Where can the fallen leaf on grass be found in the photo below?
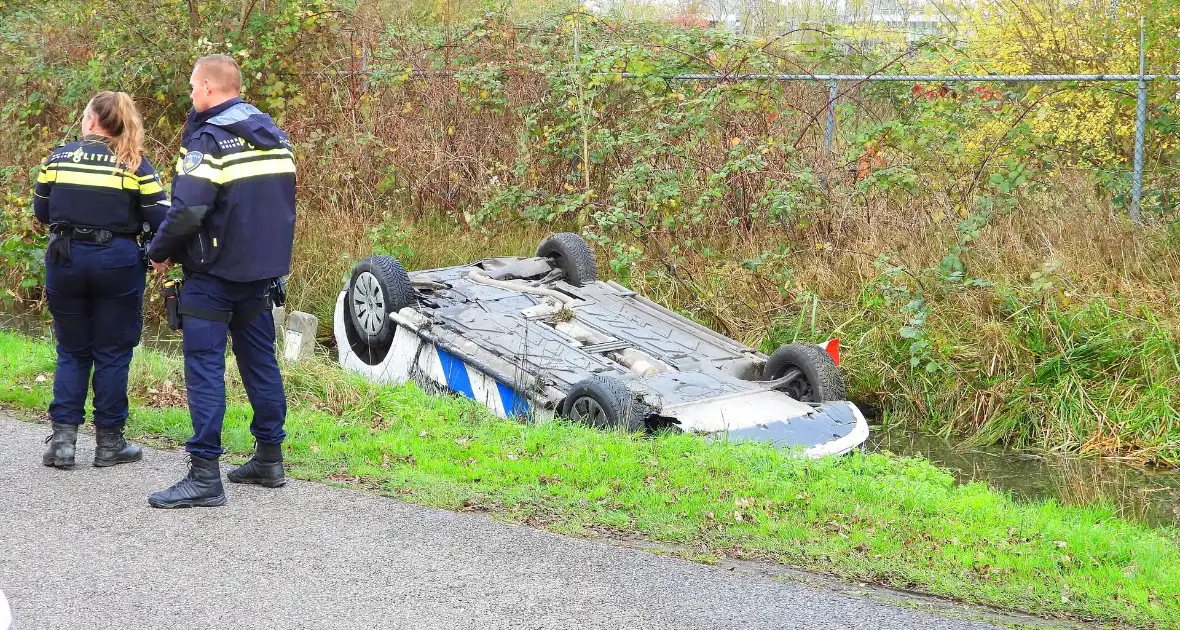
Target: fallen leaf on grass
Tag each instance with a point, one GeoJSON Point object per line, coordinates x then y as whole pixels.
{"type": "Point", "coordinates": [167, 395]}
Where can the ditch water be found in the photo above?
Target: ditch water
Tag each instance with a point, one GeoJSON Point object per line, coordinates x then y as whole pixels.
{"type": "Point", "coordinates": [1144, 494]}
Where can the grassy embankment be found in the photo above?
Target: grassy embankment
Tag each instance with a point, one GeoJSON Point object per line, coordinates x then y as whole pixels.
{"type": "Point", "coordinates": [895, 521]}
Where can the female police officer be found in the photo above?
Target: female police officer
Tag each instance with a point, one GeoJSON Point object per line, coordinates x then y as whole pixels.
{"type": "Point", "coordinates": [96, 195]}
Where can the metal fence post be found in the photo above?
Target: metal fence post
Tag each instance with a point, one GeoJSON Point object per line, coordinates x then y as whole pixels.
{"type": "Point", "coordinates": [1140, 132]}
{"type": "Point", "coordinates": [831, 128]}
{"type": "Point", "coordinates": [365, 64]}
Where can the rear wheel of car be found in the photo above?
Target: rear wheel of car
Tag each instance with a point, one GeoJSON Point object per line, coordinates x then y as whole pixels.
{"type": "Point", "coordinates": [379, 286]}
{"type": "Point", "coordinates": [816, 376]}
{"type": "Point", "coordinates": [605, 403]}
{"type": "Point", "coordinates": [572, 255]}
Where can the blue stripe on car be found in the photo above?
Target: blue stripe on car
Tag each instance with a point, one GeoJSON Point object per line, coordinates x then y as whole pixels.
{"type": "Point", "coordinates": [455, 371]}
{"type": "Point", "coordinates": [514, 404]}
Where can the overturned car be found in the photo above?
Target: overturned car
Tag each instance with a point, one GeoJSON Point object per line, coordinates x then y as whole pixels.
{"type": "Point", "coordinates": [542, 336]}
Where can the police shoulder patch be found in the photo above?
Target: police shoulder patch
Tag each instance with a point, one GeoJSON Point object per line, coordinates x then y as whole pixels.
{"type": "Point", "coordinates": [191, 161]}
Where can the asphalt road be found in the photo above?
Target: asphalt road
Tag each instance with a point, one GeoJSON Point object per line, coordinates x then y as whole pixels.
{"type": "Point", "coordinates": [82, 549]}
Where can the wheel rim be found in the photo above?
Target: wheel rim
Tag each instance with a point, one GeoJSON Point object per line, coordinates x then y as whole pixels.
{"type": "Point", "coordinates": [588, 410]}
{"type": "Point", "coordinates": [800, 388]}
{"type": "Point", "coordinates": [368, 304]}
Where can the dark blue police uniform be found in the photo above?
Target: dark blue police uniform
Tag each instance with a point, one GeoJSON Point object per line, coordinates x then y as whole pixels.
{"type": "Point", "coordinates": [231, 225]}
{"type": "Point", "coordinates": [95, 273]}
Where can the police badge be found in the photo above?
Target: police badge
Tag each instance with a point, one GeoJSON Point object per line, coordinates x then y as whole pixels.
{"type": "Point", "coordinates": [192, 160]}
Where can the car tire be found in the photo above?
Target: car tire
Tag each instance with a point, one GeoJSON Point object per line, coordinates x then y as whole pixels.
{"type": "Point", "coordinates": [604, 403]}
{"type": "Point", "coordinates": [379, 285]}
{"type": "Point", "coordinates": [822, 380]}
{"type": "Point", "coordinates": [572, 255]}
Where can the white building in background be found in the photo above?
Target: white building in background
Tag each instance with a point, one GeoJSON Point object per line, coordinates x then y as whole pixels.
{"type": "Point", "coordinates": [915, 17]}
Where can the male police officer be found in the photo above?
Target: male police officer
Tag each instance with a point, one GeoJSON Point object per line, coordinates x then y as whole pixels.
{"type": "Point", "coordinates": [231, 225]}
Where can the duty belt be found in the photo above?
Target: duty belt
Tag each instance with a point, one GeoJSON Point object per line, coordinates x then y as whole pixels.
{"type": "Point", "coordinates": [62, 234]}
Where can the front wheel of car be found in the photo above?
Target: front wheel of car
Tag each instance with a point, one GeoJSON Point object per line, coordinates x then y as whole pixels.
{"type": "Point", "coordinates": [379, 286]}
{"type": "Point", "coordinates": [815, 376]}
{"type": "Point", "coordinates": [604, 403]}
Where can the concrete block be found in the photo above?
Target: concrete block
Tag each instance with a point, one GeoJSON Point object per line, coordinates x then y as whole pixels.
{"type": "Point", "coordinates": [299, 336]}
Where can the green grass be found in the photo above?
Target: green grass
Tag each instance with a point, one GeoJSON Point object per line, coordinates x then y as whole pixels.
{"type": "Point", "coordinates": [895, 521]}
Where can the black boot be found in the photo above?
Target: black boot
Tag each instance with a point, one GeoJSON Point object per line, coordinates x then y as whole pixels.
{"type": "Point", "coordinates": [264, 469]}
{"type": "Point", "coordinates": [60, 453]}
{"type": "Point", "coordinates": [201, 487]}
{"type": "Point", "coordinates": [110, 448]}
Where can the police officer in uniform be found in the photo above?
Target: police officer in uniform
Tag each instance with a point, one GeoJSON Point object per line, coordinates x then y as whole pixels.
{"type": "Point", "coordinates": [96, 195]}
{"type": "Point", "coordinates": [232, 227]}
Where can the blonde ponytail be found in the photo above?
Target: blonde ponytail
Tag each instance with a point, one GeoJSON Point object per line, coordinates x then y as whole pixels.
{"type": "Point", "coordinates": [115, 112]}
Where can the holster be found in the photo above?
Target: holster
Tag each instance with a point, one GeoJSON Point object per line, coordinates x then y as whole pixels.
{"type": "Point", "coordinates": [145, 241]}
{"type": "Point", "coordinates": [276, 292]}
{"type": "Point", "coordinates": [58, 250]}
{"type": "Point", "coordinates": [172, 303]}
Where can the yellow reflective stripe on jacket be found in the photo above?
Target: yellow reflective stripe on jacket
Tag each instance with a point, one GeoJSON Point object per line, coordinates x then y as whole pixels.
{"type": "Point", "coordinates": [150, 184]}
{"type": "Point", "coordinates": [235, 157]}
{"type": "Point", "coordinates": [234, 172]}
{"type": "Point", "coordinates": [222, 170]}
{"type": "Point", "coordinates": [96, 180]}
{"type": "Point", "coordinates": [49, 173]}
{"type": "Point", "coordinates": [204, 170]}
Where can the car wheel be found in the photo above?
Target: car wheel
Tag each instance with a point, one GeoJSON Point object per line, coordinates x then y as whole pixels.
{"type": "Point", "coordinates": [572, 255]}
{"type": "Point", "coordinates": [817, 378]}
{"type": "Point", "coordinates": [379, 286]}
{"type": "Point", "coordinates": [604, 403]}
